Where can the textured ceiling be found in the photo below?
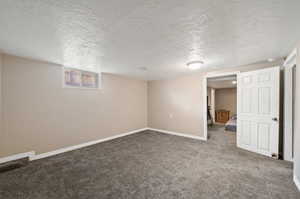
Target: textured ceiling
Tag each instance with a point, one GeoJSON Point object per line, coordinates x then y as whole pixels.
{"type": "Point", "coordinates": [149, 39]}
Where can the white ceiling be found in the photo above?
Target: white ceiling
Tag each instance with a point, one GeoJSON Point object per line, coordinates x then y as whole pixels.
{"type": "Point", "coordinates": [161, 36]}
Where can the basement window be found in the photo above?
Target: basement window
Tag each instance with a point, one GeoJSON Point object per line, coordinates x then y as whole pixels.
{"type": "Point", "coordinates": [76, 78]}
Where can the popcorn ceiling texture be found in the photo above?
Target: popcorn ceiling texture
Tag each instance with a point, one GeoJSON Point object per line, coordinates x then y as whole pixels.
{"type": "Point", "coordinates": [120, 36]}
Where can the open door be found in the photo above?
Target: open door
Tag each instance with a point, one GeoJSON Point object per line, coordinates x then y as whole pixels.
{"type": "Point", "coordinates": [258, 111]}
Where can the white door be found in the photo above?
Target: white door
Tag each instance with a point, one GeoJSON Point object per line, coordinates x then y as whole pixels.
{"type": "Point", "coordinates": [258, 111]}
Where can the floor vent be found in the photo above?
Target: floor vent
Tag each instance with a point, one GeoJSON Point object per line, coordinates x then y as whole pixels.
{"type": "Point", "coordinates": [8, 166]}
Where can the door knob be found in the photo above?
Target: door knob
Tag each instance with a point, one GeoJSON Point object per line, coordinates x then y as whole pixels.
{"type": "Point", "coordinates": [275, 119]}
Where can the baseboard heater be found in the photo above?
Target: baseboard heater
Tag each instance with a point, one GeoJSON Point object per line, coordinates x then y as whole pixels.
{"type": "Point", "coordinates": [15, 164]}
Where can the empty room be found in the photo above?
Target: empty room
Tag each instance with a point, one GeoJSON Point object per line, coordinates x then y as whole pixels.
{"type": "Point", "coordinates": [136, 99]}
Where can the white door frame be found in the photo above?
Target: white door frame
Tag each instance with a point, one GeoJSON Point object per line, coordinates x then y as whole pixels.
{"type": "Point", "coordinates": [289, 65]}
{"type": "Point", "coordinates": [204, 86]}
{"type": "Point", "coordinates": [213, 103]}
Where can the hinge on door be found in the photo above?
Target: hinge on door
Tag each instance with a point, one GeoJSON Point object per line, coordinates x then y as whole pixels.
{"type": "Point", "coordinates": [275, 156]}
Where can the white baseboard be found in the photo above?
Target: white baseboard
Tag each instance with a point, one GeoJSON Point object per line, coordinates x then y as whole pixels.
{"type": "Point", "coordinates": [178, 134]}
{"type": "Point", "coordinates": [297, 182]}
{"type": "Point", "coordinates": [71, 148]}
{"type": "Point", "coordinates": [32, 156]}
{"type": "Point", "coordinates": [17, 157]}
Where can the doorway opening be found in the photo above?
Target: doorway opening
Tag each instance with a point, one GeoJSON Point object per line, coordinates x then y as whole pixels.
{"type": "Point", "coordinates": [221, 105]}
{"type": "Point", "coordinates": [258, 110]}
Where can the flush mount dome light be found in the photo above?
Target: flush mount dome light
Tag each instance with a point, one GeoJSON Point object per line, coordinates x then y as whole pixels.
{"type": "Point", "coordinates": [194, 65]}
{"type": "Point", "coordinates": [234, 82]}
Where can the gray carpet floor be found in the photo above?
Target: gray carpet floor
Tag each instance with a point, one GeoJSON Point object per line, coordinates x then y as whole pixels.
{"type": "Point", "coordinates": [153, 165]}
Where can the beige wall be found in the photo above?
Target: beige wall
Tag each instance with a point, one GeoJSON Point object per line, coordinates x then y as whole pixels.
{"type": "Point", "coordinates": [42, 116]}
{"type": "Point", "coordinates": [1, 131]}
{"type": "Point", "coordinates": [226, 99]}
{"type": "Point", "coordinates": [39, 115]}
{"type": "Point", "coordinates": [177, 104]}
{"type": "Point", "coordinates": [297, 121]}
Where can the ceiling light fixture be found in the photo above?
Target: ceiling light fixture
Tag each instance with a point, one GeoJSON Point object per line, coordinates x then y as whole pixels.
{"type": "Point", "coordinates": [234, 82]}
{"type": "Point", "coordinates": [271, 59]}
{"type": "Point", "coordinates": [194, 65]}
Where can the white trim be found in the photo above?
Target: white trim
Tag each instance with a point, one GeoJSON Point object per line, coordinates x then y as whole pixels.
{"type": "Point", "coordinates": [71, 148]}
{"type": "Point", "coordinates": [204, 87]}
{"type": "Point", "coordinates": [205, 108]}
{"type": "Point", "coordinates": [214, 74]}
{"type": "Point", "coordinates": [178, 134]}
{"type": "Point", "coordinates": [17, 157]}
{"type": "Point", "coordinates": [289, 64]}
{"type": "Point", "coordinates": [297, 182]}
{"type": "Point", "coordinates": [291, 59]}
{"type": "Point", "coordinates": [32, 156]}
{"type": "Point", "coordinates": [213, 104]}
